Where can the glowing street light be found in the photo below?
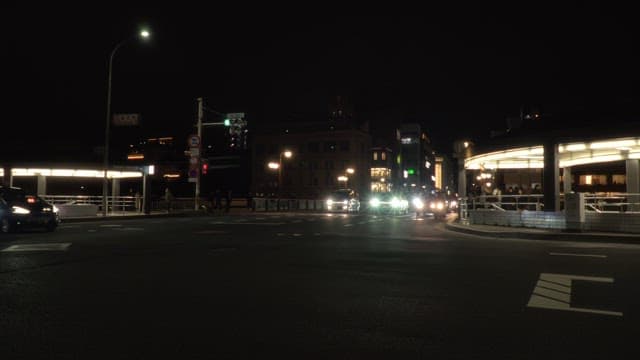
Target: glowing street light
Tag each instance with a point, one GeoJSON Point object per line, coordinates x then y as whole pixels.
{"type": "Point", "coordinates": [105, 181]}
{"type": "Point", "coordinates": [273, 165]}
{"type": "Point", "coordinates": [350, 171]}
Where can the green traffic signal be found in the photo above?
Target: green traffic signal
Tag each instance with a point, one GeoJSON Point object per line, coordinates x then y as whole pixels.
{"type": "Point", "coordinates": [411, 171]}
{"type": "Point", "coordinates": [227, 122]}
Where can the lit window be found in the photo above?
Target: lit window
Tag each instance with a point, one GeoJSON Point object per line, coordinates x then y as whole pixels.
{"type": "Point", "coordinates": [383, 155]}
{"type": "Point", "coordinates": [375, 155]}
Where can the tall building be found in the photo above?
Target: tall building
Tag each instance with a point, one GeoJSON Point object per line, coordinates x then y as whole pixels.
{"type": "Point", "coordinates": [381, 169]}
{"type": "Point", "coordinates": [325, 156]}
{"type": "Point", "coordinates": [417, 159]}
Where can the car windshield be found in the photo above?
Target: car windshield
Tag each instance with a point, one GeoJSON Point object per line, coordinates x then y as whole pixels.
{"type": "Point", "coordinates": [340, 195]}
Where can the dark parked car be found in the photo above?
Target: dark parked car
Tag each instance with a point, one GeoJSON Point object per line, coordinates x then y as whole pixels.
{"type": "Point", "coordinates": [19, 210]}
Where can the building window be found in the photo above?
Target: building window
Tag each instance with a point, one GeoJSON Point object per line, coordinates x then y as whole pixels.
{"type": "Point", "coordinates": [383, 156]}
{"type": "Point", "coordinates": [375, 155]}
{"type": "Point", "coordinates": [593, 179]}
{"type": "Point", "coordinates": [619, 179]}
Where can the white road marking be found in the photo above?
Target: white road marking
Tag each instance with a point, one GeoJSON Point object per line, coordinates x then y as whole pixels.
{"type": "Point", "coordinates": [296, 234]}
{"type": "Point", "coordinates": [205, 232]}
{"type": "Point", "coordinates": [553, 291]}
{"type": "Point", "coordinates": [91, 231]}
{"type": "Point", "coordinates": [38, 247]}
{"type": "Point", "coordinates": [280, 234]}
{"type": "Point", "coordinates": [68, 226]}
{"type": "Point", "coordinates": [347, 225]}
{"type": "Point", "coordinates": [245, 223]}
{"type": "Point", "coordinates": [111, 225]}
{"type": "Point", "coordinates": [129, 229]}
{"type": "Point", "coordinates": [579, 255]}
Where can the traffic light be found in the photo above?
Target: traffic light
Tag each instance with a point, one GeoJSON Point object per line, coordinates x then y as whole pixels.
{"type": "Point", "coordinates": [411, 171]}
{"type": "Point", "coordinates": [227, 122]}
{"type": "Point", "coordinates": [205, 167]}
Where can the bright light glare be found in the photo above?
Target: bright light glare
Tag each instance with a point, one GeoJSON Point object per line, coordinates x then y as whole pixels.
{"type": "Point", "coordinates": [20, 210]}
{"type": "Point", "coordinates": [396, 203]}
{"type": "Point", "coordinates": [288, 154]}
{"type": "Point", "coordinates": [350, 171]}
{"type": "Point", "coordinates": [145, 33]}
{"type": "Point", "coordinates": [375, 202]}
{"type": "Point", "coordinates": [274, 165]}
{"type": "Point", "coordinates": [417, 203]}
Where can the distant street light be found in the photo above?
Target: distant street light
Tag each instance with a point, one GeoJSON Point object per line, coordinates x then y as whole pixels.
{"type": "Point", "coordinates": [350, 171]}
{"type": "Point", "coordinates": [105, 181]}
{"type": "Point", "coordinates": [278, 166]}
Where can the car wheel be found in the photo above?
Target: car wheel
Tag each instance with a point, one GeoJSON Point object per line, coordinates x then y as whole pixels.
{"type": "Point", "coordinates": [5, 226]}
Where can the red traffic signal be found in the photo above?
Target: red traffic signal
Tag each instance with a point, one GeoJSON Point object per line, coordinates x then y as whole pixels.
{"type": "Point", "coordinates": [205, 167]}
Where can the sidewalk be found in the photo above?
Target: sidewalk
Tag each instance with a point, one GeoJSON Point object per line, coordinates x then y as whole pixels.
{"type": "Point", "coordinates": [541, 234]}
{"type": "Point", "coordinates": [131, 215]}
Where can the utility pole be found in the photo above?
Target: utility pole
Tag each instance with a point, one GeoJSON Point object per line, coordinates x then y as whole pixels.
{"type": "Point", "coordinates": [200, 115]}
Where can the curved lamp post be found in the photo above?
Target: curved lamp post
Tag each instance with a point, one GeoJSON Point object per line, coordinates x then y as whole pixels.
{"type": "Point", "coordinates": [105, 181]}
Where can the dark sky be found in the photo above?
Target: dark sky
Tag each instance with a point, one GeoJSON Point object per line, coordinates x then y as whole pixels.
{"type": "Point", "coordinates": [459, 71]}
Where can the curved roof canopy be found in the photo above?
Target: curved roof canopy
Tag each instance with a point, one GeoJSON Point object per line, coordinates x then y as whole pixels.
{"type": "Point", "coordinates": [570, 154]}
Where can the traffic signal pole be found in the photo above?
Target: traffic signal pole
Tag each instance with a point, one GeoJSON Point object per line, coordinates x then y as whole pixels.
{"type": "Point", "coordinates": [200, 115]}
{"type": "Point", "coordinates": [199, 125]}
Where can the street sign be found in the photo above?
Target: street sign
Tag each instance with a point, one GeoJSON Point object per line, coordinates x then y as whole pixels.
{"type": "Point", "coordinates": [126, 119]}
{"type": "Point", "coordinates": [194, 141]}
{"type": "Point", "coordinates": [235, 116]}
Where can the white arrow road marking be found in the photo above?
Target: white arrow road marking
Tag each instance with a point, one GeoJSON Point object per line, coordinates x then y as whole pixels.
{"type": "Point", "coordinates": [579, 255]}
{"type": "Point", "coordinates": [38, 247]}
{"type": "Point", "coordinates": [553, 291]}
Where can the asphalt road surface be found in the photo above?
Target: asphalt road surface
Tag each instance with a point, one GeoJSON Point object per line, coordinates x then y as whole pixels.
{"type": "Point", "coordinates": [311, 286]}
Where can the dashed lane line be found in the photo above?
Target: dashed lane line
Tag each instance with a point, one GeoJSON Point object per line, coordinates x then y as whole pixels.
{"type": "Point", "coordinates": [37, 247]}
{"type": "Point", "coordinates": [578, 255]}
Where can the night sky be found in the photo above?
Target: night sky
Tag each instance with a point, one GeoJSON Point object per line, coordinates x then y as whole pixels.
{"type": "Point", "coordinates": [459, 71]}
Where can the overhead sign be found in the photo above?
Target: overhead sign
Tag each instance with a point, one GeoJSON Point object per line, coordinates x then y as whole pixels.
{"type": "Point", "coordinates": [194, 141]}
{"type": "Point", "coordinates": [235, 116]}
{"type": "Point", "coordinates": [126, 119]}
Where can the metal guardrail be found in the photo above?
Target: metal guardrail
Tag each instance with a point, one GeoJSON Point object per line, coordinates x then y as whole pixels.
{"type": "Point", "coordinates": [601, 203]}
{"type": "Point", "coordinates": [114, 203]}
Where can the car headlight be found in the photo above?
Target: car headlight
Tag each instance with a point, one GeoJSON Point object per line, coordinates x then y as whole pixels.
{"type": "Point", "coordinates": [345, 202]}
{"type": "Point", "coordinates": [55, 209]}
{"type": "Point", "coordinates": [329, 202]}
{"type": "Point", "coordinates": [432, 205]}
{"type": "Point", "coordinates": [375, 202]}
{"type": "Point", "coordinates": [20, 210]}
{"type": "Point", "coordinates": [440, 205]}
{"type": "Point", "coordinates": [417, 203]}
{"type": "Point", "coordinates": [453, 203]}
{"type": "Point", "coordinates": [395, 203]}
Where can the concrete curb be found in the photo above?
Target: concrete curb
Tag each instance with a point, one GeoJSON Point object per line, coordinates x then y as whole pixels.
{"type": "Point", "coordinates": [555, 236]}
{"type": "Point", "coordinates": [129, 217]}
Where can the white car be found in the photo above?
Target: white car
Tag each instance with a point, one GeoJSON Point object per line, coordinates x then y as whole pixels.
{"type": "Point", "coordinates": [343, 201]}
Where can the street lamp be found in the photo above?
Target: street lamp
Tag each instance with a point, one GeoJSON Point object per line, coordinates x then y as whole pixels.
{"type": "Point", "coordinates": [287, 154]}
{"type": "Point", "coordinates": [105, 181]}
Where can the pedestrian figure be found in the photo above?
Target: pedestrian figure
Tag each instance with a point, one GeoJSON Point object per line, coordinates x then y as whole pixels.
{"type": "Point", "coordinates": [167, 198]}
